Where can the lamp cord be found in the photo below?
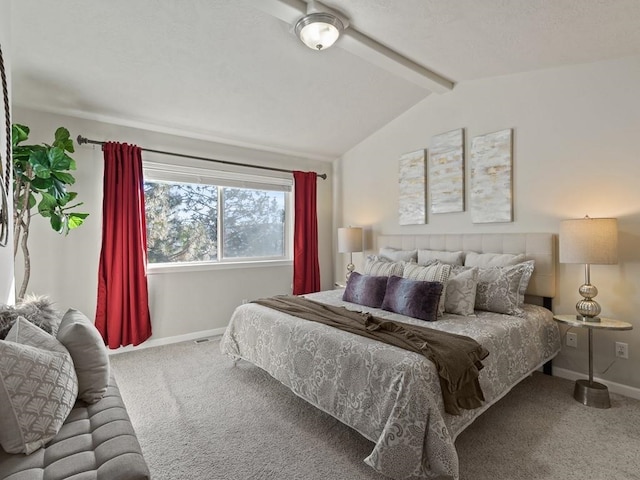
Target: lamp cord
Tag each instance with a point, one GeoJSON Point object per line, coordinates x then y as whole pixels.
{"type": "Point", "coordinates": [564, 336]}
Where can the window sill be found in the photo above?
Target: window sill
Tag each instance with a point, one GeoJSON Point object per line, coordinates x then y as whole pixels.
{"type": "Point", "coordinates": [201, 267]}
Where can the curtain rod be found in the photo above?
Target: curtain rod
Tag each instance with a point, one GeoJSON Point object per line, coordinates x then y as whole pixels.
{"type": "Point", "coordinates": [82, 140]}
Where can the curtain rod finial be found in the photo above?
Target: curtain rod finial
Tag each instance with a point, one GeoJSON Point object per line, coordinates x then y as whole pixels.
{"type": "Point", "coordinates": [81, 140]}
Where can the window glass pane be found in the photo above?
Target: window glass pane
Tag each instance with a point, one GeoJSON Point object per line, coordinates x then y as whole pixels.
{"type": "Point", "coordinates": [253, 223]}
{"type": "Point", "coordinates": [181, 222]}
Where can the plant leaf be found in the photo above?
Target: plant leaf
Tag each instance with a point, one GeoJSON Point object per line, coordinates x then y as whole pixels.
{"type": "Point", "coordinates": [63, 140]}
{"type": "Point", "coordinates": [58, 189]}
{"type": "Point", "coordinates": [76, 219]}
{"type": "Point", "coordinates": [47, 205]}
{"type": "Point", "coordinates": [64, 177]}
{"type": "Point", "coordinates": [39, 161]}
{"type": "Point", "coordinates": [56, 223]}
{"type": "Point", "coordinates": [69, 196]}
{"type": "Point", "coordinates": [41, 183]}
{"type": "Point", "coordinates": [19, 133]}
{"type": "Point", "coordinates": [20, 200]}
{"type": "Point", "coordinates": [58, 160]}
{"type": "Point", "coordinates": [20, 153]}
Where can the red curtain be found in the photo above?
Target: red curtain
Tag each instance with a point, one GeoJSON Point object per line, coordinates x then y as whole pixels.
{"type": "Point", "coordinates": [122, 313]}
{"type": "Point", "coordinates": [306, 269]}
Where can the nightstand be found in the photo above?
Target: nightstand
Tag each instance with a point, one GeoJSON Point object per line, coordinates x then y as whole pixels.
{"type": "Point", "coordinates": [588, 392]}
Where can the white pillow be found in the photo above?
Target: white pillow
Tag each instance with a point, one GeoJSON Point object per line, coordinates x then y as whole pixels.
{"type": "Point", "coordinates": [485, 260]}
{"type": "Point", "coordinates": [452, 258]}
{"type": "Point", "coordinates": [438, 272]}
{"type": "Point", "coordinates": [38, 388]}
{"type": "Point", "coordinates": [396, 255]}
{"type": "Point", "coordinates": [461, 291]}
{"type": "Point", "coordinates": [501, 289]}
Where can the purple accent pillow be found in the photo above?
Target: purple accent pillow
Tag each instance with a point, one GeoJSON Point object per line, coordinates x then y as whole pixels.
{"type": "Point", "coordinates": [365, 290]}
{"type": "Point", "coordinates": [413, 298]}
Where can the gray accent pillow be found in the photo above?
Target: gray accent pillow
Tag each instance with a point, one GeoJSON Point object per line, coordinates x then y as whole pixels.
{"type": "Point", "coordinates": [452, 258]}
{"type": "Point", "coordinates": [501, 289]}
{"type": "Point", "coordinates": [382, 268]}
{"type": "Point", "coordinates": [413, 298]}
{"type": "Point", "coordinates": [365, 290]}
{"type": "Point", "coordinates": [38, 388]}
{"type": "Point", "coordinates": [485, 260]}
{"type": "Point", "coordinates": [90, 357]}
{"type": "Point", "coordinates": [396, 255]}
{"type": "Point", "coordinates": [438, 272]}
{"type": "Point", "coordinates": [460, 294]}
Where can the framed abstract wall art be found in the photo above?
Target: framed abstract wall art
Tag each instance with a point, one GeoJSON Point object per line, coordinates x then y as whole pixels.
{"type": "Point", "coordinates": [491, 177]}
{"type": "Point", "coordinates": [446, 172]}
{"type": "Point", "coordinates": [412, 196]}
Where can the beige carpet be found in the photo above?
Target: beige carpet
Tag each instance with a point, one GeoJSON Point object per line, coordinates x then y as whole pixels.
{"type": "Point", "coordinates": [199, 417]}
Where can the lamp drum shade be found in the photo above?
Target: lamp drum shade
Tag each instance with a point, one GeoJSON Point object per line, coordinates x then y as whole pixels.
{"type": "Point", "coordinates": [349, 239]}
{"type": "Point", "coordinates": [589, 241]}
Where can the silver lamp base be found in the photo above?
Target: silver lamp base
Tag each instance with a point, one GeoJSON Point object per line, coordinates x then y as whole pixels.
{"type": "Point", "coordinates": [591, 394]}
{"type": "Point", "coordinates": [350, 268]}
{"type": "Point", "coordinates": [588, 309]}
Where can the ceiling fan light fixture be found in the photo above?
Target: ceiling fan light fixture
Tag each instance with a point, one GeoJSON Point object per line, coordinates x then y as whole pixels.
{"type": "Point", "coordinates": [319, 30]}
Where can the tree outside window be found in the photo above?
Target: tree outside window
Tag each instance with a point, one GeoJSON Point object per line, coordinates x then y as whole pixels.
{"type": "Point", "coordinates": [183, 222]}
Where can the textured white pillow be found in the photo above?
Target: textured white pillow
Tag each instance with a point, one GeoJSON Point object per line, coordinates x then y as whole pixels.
{"type": "Point", "coordinates": [438, 272]}
{"type": "Point", "coordinates": [396, 255]}
{"type": "Point", "coordinates": [38, 388]}
{"type": "Point", "coordinates": [485, 260]}
{"type": "Point", "coordinates": [382, 268]}
{"type": "Point", "coordinates": [461, 291]}
{"type": "Point", "coordinates": [86, 346]}
{"type": "Point", "coordinates": [501, 289]}
{"type": "Point", "coordinates": [453, 258]}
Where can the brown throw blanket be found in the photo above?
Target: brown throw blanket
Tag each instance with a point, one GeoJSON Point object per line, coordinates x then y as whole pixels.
{"type": "Point", "coordinates": [457, 357]}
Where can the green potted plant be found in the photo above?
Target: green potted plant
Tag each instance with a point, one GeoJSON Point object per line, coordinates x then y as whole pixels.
{"type": "Point", "coordinates": [40, 180]}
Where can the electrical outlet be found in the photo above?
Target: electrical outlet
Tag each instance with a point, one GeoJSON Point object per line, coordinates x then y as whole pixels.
{"type": "Point", "coordinates": [622, 350]}
{"type": "Point", "coordinates": [572, 340]}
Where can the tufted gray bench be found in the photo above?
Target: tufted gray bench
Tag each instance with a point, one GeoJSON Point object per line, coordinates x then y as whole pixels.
{"type": "Point", "coordinates": [96, 442]}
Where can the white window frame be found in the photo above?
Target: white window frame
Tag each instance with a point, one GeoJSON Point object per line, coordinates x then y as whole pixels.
{"type": "Point", "coordinates": [159, 172]}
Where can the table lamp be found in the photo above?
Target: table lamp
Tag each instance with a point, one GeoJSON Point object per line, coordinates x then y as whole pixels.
{"type": "Point", "coordinates": [589, 241]}
{"type": "Point", "coordinates": [349, 241]}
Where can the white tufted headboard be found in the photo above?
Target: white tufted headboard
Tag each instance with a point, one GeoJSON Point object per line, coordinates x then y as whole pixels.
{"type": "Point", "coordinates": [540, 247]}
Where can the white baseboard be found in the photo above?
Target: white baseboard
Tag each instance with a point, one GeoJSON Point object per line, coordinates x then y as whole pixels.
{"type": "Point", "coordinates": [169, 340]}
{"type": "Point", "coordinates": [614, 387]}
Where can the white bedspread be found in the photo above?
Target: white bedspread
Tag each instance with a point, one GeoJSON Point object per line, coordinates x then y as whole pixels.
{"type": "Point", "coordinates": [389, 395]}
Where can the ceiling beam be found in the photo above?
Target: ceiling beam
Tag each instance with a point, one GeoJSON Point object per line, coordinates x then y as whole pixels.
{"type": "Point", "coordinates": [363, 46]}
{"type": "Point", "coordinates": [373, 52]}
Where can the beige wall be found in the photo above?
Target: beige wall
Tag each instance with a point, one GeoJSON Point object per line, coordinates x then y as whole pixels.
{"type": "Point", "coordinates": [576, 152]}
{"type": "Point", "coordinates": [181, 303]}
{"type": "Point", "coordinates": [6, 253]}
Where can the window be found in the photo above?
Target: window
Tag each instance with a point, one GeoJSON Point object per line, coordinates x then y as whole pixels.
{"type": "Point", "coordinates": [202, 216]}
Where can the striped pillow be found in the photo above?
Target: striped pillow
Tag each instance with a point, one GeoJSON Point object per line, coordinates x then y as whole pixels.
{"type": "Point", "coordinates": [377, 267]}
{"type": "Point", "coordinates": [431, 273]}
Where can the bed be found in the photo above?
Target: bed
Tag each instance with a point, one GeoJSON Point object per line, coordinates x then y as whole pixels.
{"type": "Point", "coordinates": [392, 396]}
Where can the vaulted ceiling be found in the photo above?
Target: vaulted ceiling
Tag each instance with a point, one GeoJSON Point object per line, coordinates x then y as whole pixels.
{"type": "Point", "coordinates": [233, 70]}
